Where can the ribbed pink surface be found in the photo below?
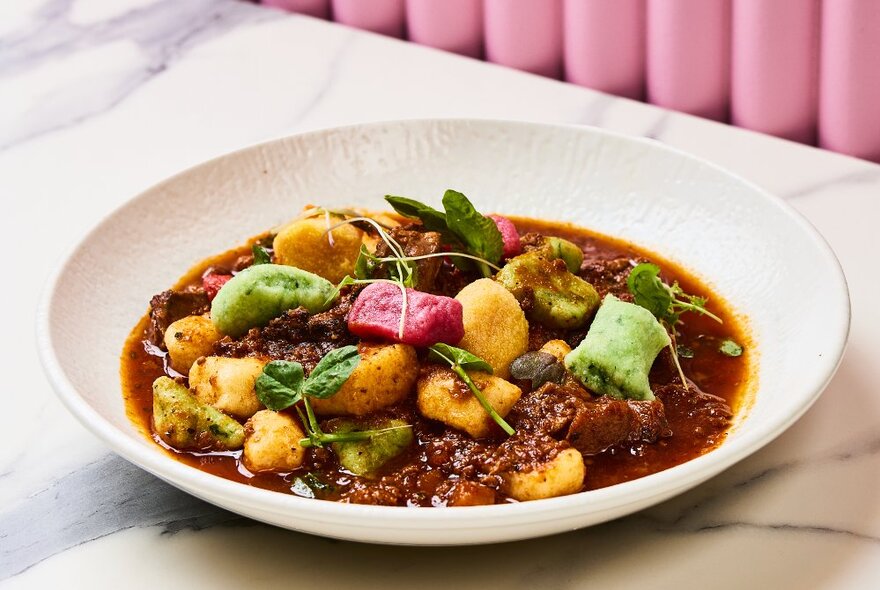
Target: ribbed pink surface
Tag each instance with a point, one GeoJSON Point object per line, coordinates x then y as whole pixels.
{"type": "Point", "coordinates": [318, 8]}
{"type": "Point", "coordinates": [689, 56]}
{"type": "Point", "coordinates": [605, 45]}
{"type": "Point", "coordinates": [453, 25]}
{"type": "Point", "coordinates": [380, 16]}
{"type": "Point", "coordinates": [775, 72]}
{"type": "Point", "coordinates": [799, 69]}
{"type": "Point", "coordinates": [525, 34]}
{"type": "Point", "coordinates": [849, 104]}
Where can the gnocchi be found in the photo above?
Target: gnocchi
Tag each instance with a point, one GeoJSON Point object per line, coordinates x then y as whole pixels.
{"type": "Point", "coordinates": [495, 327]}
{"type": "Point", "coordinates": [444, 397]}
{"type": "Point", "coordinates": [562, 475]}
{"type": "Point", "coordinates": [227, 384]}
{"type": "Point", "coordinates": [188, 339]}
{"type": "Point", "coordinates": [307, 244]}
{"type": "Point", "coordinates": [272, 442]}
{"type": "Point", "coordinates": [384, 376]}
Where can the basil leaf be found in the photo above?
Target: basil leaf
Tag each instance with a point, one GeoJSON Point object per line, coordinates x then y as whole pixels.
{"type": "Point", "coordinates": [730, 348]}
{"type": "Point", "coordinates": [280, 384]}
{"type": "Point", "coordinates": [458, 356]}
{"type": "Point", "coordinates": [432, 219]}
{"type": "Point", "coordinates": [333, 370]}
{"type": "Point", "coordinates": [478, 233]}
{"type": "Point", "coordinates": [261, 255]}
{"type": "Point", "coordinates": [649, 291]}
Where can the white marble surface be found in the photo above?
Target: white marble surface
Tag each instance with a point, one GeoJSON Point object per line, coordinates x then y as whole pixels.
{"type": "Point", "coordinates": [101, 98]}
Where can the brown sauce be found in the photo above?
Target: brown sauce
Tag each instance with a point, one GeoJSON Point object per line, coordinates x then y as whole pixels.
{"type": "Point", "coordinates": [443, 456]}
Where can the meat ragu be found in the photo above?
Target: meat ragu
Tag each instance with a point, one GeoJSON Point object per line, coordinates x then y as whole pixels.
{"type": "Point", "coordinates": [482, 361]}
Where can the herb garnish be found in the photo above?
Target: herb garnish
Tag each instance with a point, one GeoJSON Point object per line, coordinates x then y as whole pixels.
{"type": "Point", "coordinates": [461, 224]}
{"type": "Point", "coordinates": [462, 361]}
{"type": "Point", "coordinates": [461, 215]}
{"type": "Point", "coordinates": [685, 352]}
{"type": "Point", "coordinates": [283, 384]}
{"type": "Point", "coordinates": [280, 384]}
{"type": "Point", "coordinates": [318, 438]}
{"type": "Point", "coordinates": [730, 347]}
{"type": "Point", "coordinates": [666, 302]}
{"type": "Point", "coordinates": [261, 255]}
{"type": "Point", "coordinates": [432, 219]}
{"type": "Point", "coordinates": [400, 270]}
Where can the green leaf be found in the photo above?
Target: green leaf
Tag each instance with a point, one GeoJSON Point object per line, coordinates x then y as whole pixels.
{"type": "Point", "coordinates": [345, 282]}
{"type": "Point", "coordinates": [462, 361]}
{"type": "Point", "coordinates": [432, 219]}
{"type": "Point", "coordinates": [458, 356]}
{"type": "Point", "coordinates": [365, 264]}
{"type": "Point", "coordinates": [478, 233]}
{"type": "Point", "coordinates": [649, 291]}
{"type": "Point", "coordinates": [402, 272]}
{"type": "Point", "coordinates": [333, 370]}
{"type": "Point", "coordinates": [684, 351]}
{"type": "Point", "coordinates": [280, 384]}
{"type": "Point", "coordinates": [261, 255]}
{"type": "Point", "coordinates": [730, 348]}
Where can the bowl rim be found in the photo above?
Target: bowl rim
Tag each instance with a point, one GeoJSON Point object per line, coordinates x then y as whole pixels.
{"type": "Point", "coordinates": [655, 485]}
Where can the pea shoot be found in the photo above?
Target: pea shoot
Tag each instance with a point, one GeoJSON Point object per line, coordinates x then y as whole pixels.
{"type": "Point", "coordinates": [261, 254]}
{"type": "Point", "coordinates": [461, 361]}
{"type": "Point", "coordinates": [666, 302]}
{"type": "Point", "coordinates": [460, 226]}
{"type": "Point", "coordinates": [283, 384]}
{"type": "Point", "coordinates": [401, 271]}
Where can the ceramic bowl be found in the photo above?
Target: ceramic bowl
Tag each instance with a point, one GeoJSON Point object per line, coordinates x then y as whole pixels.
{"type": "Point", "coordinates": [762, 257]}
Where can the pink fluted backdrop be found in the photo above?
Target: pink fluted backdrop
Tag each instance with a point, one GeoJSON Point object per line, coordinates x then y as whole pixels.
{"type": "Point", "coordinates": [806, 70]}
{"type": "Point", "coordinates": [597, 29]}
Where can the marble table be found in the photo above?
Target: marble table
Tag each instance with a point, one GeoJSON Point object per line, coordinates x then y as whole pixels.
{"type": "Point", "coordinates": [101, 98]}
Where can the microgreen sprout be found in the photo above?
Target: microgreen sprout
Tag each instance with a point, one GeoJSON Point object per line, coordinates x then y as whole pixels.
{"type": "Point", "coordinates": [441, 255]}
{"type": "Point", "coordinates": [318, 438]}
{"type": "Point", "coordinates": [666, 302]}
{"type": "Point", "coordinates": [283, 384]}
{"type": "Point", "coordinates": [329, 229]}
{"type": "Point", "coordinates": [461, 361]}
{"type": "Point", "coordinates": [460, 225]}
{"type": "Point", "coordinates": [261, 254]}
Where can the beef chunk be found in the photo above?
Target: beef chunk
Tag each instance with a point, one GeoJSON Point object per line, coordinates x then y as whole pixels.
{"type": "Point", "coordinates": [539, 335]}
{"type": "Point", "coordinates": [374, 493]}
{"type": "Point", "coordinates": [689, 408]}
{"type": "Point", "coordinates": [417, 243]}
{"type": "Point", "coordinates": [531, 241]}
{"type": "Point", "coordinates": [169, 306]}
{"type": "Point", "coordinates": [608, 276]}
{"type": "Point", "coordinates": [590, 425]}
{"type": "Point", "coordinates": [524, 451]}
{"type": "Point", "coordinates": [297, 335]}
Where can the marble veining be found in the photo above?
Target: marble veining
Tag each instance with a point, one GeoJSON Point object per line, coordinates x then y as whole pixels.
{"type": "Point", "coordinates": [80, 96]}
{"type": "Point", "coordinates": [99, 499]}
{"type": "Point", "coordinates": [162, 32]}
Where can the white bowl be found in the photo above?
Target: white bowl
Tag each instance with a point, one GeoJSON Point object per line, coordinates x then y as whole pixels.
{"type": "Point", "coordinates": [759, 254]}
